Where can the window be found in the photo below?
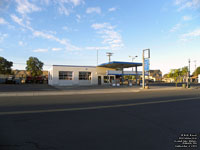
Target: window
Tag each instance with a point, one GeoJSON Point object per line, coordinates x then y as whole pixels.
{"type": "Point", "coordinates": [112, 78]}
{"type": "Point", "coordinates": [84, 75]}
{"type": "Point", "coordinates": [65, 75]}
{"type": "Point", "coordinates": [105, 78]}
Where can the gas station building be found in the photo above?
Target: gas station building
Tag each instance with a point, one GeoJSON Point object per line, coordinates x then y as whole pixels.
{"type": "Point", "coordinates": [107, 73]}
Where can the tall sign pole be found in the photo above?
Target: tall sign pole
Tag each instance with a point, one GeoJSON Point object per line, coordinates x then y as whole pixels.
{"type": "Point", "coordinates": [143, 72]}
{"type": "Point", "coordinates": [145, 65]}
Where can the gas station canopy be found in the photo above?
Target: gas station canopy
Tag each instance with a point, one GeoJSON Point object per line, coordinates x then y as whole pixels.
{"type": "Point", "coordinates": [120, 64]}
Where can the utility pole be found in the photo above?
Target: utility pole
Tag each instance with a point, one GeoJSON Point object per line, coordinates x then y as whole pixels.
{"type": "Point", "coordinates": [109, 54]}
{"type": "Point", "coordinates": [188, 73]}
{"type": "Point", "coordinates": [97, 57]}
{"type": "Point", "coordinates": [195, 64]}
{"type": "Point", "coordinates": [195, 67]}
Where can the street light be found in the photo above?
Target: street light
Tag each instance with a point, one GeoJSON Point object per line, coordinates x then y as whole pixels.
{"type": "Point", "coordinates": [133, 57]}
{"type": "Point", "coordinates": [109, 54]}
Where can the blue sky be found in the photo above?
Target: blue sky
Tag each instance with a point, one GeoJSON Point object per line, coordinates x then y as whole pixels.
{"type": "Point", "coordinates": [71, 31]}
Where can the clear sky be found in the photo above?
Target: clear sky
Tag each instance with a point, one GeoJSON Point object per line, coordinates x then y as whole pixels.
{"type": "Point", "coordinates": [71, 31]}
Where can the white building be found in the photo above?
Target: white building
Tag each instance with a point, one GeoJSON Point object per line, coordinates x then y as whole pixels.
{"type": "Point", "coordinates": [78, 75]}
{"type": "Point", "coordinates": [66, 75]}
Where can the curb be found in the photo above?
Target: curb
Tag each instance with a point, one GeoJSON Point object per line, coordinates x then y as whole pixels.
{"type": "Point", "coordinates": [165, 88]}
{"type": "Point", "coordinates": [14, 94]}
{"type": "Point", "coordinates": [85, 92]}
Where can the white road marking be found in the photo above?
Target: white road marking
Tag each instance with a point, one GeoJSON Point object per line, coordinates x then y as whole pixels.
{"type": "Point", "coordinates": [95, 107]}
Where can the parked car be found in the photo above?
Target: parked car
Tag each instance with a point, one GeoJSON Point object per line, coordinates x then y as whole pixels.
{"type": "Point", "coordinates": [29, 79]}
{"type": "Point", "coordinates": [10, 80]}
{"type": "Point", "coordinates": [17, 80]}
{"type": "Point", "coordinates": [150, 80]}
{"type": "Point", "coordinates": [39, 79]}
{"type": "Point", "coordinates": [2, 80]}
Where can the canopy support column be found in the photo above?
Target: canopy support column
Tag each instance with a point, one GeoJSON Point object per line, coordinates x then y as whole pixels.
{"type": "Point", "coordinates": [122, 76]}
{"type": "Point", "coordinates": [136, 77]}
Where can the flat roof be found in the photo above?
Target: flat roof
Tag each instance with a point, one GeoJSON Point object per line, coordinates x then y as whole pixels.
{"type": "Point", "coordinates": [120, 64]}
{"type": "Point", "coordinates": [74, 66]}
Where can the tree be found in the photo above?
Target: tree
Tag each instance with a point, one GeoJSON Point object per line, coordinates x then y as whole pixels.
{"type": "Point", "coordinates": [184, 71]}
{"type": "Point", "coordinates": [197, 71]}
{"type": "Point", "coordinates": [173, 73]}
{"type": "Point", "coordinates": [34, 66]}
{"type": "Point", "coordinates": [5, 66]}
{"type": "Point", "coordinates": [178, 74]}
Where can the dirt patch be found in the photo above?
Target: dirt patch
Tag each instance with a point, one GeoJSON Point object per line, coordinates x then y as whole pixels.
{"type": "Point", "coordinates": [26, 87]}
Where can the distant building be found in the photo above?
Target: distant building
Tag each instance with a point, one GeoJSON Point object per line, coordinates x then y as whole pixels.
{"type": "Point", "coordinates": [23, 76]}
{"type": "Point", "coordinates": [199, 78]}
{"type": "Point", "coordinates": [20, 73]}
{"type": "Point", "coordinates": [155, 75]}
{"type": "Point", "coordinates": [24, 73]}
{"type": "Point", "coordinates": [168, 80]}
{"type": "Point", "coordinates": [194, 79]}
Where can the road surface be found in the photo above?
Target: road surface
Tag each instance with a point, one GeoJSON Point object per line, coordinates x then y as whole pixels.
{"type": "Point", "coordinates": [145, 120]}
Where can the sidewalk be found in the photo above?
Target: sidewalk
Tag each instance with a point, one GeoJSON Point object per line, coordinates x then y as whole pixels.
{"type": "Point", "coordinates": [86, 90]}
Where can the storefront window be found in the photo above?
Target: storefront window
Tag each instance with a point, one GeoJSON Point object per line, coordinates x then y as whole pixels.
{"type": "Point", "coordinates": [84, 75]}
{"type": "Point", "coordinates": [65, 75]}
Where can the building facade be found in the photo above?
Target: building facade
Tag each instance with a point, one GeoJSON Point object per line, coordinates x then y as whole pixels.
{"type": "Point", "coordinates": [199, 78]}
{"type": "Point", "coordinates": [64, 75]}
{"type": "Point", "coordinates": [155, 75]}
{"type": "Point", "coordinates": [112, 72]}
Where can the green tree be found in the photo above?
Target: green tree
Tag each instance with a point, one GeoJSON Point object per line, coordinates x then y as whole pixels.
{"type": "Point", "coordinates": [184, 71]}
{"type": "Point", "coordinates": [5, 66]}
{"type": "Point", "coordinates": [179, 75]}
{"type": "Point", "coordinates": [173, 74]}
{"type": "Point", "coordinates": [34, 66]}
{"type": "Point", "coordinates": [197, 71]}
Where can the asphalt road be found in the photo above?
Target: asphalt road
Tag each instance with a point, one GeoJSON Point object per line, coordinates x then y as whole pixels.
{"type": "Point", "coordinates": [146, 120]}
